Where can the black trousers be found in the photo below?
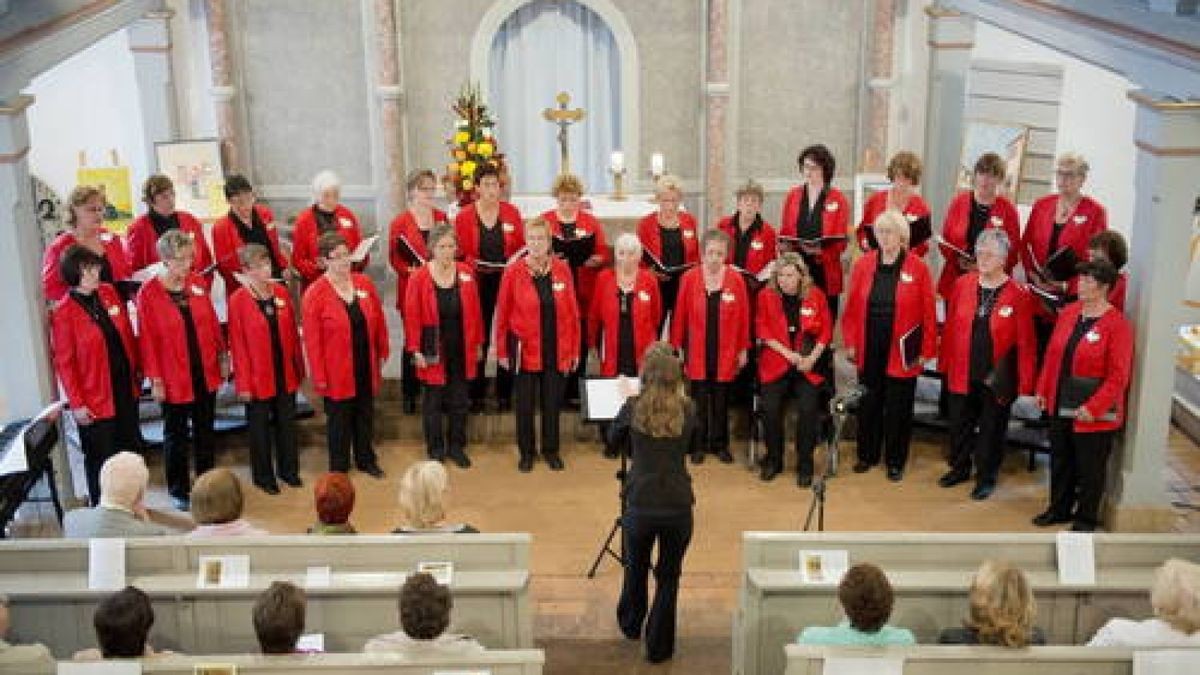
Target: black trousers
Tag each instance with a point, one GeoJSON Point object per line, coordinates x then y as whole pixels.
{"type": "Point", "coordinates": [673, 532]}
{"type": "Point", "coordinates": [489, 291]}
{"type": "Point", "coordinates": [806, 396]}
{"type": "Point", "coordinates": [978, 428]}
{"type": "Point", "coordinates": [351, 423]}
{"type": "Point", "coordinates": [546, 388]}
{"type": "Point", "coordinates": [440, 403]}
{"type": "Point", "coordinates": [176, 419]}
{"type": "Point", "coordinates": [712, 415]}
{"type": "Point", "coordinates": [272, 423]}
{"type": "Point", "coordinates": [410, 386]}
{"type": "Point", "coordinates": [885, 421]}
{"type": "Point", "coordinates": [100, 440]}
{"type": "Point", "coordinates": [1078, 466]}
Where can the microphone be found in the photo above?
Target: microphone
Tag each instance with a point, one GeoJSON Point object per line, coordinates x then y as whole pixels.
{"type": "Point", "coordinates": [848, 402]}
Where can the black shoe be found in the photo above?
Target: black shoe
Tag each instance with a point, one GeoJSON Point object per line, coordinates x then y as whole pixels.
{"type": "Point", "coordinates": [953, 477]}
{"type": "Point", "coordinates": [725, 457]}
{"type": "Point", "coordinates": [804, 480]}
{"type": "Point", "coordinates": [769, 472]}
{"type": "Point", "coordinates": [504, 405]}
{"type": "Point", "coordinates": [437, 456]}
{"type": "Point", "coordinates": [181, 503]}
{"type": "Point", "coordinates": [476, 406]}
{"type": "Point", "coordinates": [292, 481]}
{"type": "Point", "coordinates": [982, 491]}
{"type": "Point", "coordinates": [410, 406]}
{"type": "Point", "coordinates": [1079, 526]}
{"type": "Point", "coordinates": [525, 464]}
{"type": "Point", "coordinates": [372, 470]}
{"type": "Point", "coordinates": [572, 404]}
{"type": "Point", "coordinates": [697, 458]}
{"type": "Point", "coordinates": [611, 452]}
{"type": "Point", "coordinates": [1048, 518]}
{"type": "Point", "coordinates": [895, 474]}
{"type": "Point", "coordinates": [460, 458]}
{"type": "Point", "coordinates": [555, 462]}
{"type": "Point", "coordinates": [269, 488]}
{"type": "Point", "coordinates": [861, 467]}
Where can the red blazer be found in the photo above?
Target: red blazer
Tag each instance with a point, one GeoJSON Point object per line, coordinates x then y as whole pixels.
{"type": "Point", "coordinates": [328, 342]}
{"type": "Point", "coordinates": [835, 221]}
{"type": "Point", "coordinates": [763, 246]}
{"type": "Point", "coordinates": [584, 222]}
{"type": "Point", "coordinates": [1085, 222]}
{"type": "Point", "coordinates": [421, 311]}
{"type": "Point", "coordinates": [771, 324]}
{"type": "Point", "coordinates": [914, 307]}
{"type": "Point", "coordinates": [141, 244]}
{"type": "Point", "coordinates": [227, 242]}
{"type": "Point", "coordinates": [518, 315]}
{"type": "Point", "coordinates": [305, 234]}
{"type": "Point", "coordinates": [1011, 324]}
{"type": "Point", "coordinates": [405, 225]}
{"type": "Point", "coordinates": [954, 230]}
{"type": "Point", "coordinates": [648, 233]}
{"type": "Point", "coordinates": [690, 320]}
{"type": "Point", "coordinates": [162, 338]}
{"type": "Point", "coordinates": [466, 226]}
{"type": "Point", "coordinates": [53, 285]}
{"type": "Point", "coordinates": [81, 355]}
{"type": "Point", "coordinates": [915, 208]}
{"type": "Point", "coordinates": [604, 318]}
{"type": "Point", "coordinates": [1105, 352]}
{"type": "Point", "coordinates": [250, 344]}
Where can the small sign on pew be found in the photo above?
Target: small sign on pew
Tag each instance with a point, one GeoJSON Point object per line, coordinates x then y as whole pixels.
{"type": "Point", "coordinates": [823, 568]}
{"type": "Point", "coordinates": [1076, 552]}
{"type": "Point", "coordinates": [443, 572]}
{"type": "Point", "coordinates": [99, 668]}
{"type": "Point", "coordinates": [318, 576]}
{"type": "Point", "coordinates": [106, 564]}
{"type": "Point", "coordinates": [311, 643]}
{"type": "Point", "coordinates": [1164, 662]}
{"type": "Point", "coordinates": [223, 571]}
{"type": "Point", "coordinates": [462, 672]}
{"type": "Point", "coordinates": [214, 669]}
{"type": "Point", "coordinates": [845, 665]}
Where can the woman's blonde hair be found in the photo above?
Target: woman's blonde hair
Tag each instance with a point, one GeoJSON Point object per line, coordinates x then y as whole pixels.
{"type": "Point", "coordinates": [1073, 162]}
{"type": "Point", "coordinates": [662, 404]}
{"type": "Point", "coordinates": [79, 196]}
{"type": "Point", "coordinates": [1175, 595]}
{"type": "Point", "coordinates": [668, 183]}
{"type": "Point", "coordinates": [567, 182]}
{"type": "Point", "coordinates": [1002, 605]}
{"type": "Point", "coordinates": [216, 497]}
{"type": "Point", "coordinates": [792, 259]}
{"type": "Point", "coordinates": [895, 220]}
{"type": "Point", "coordinates": [423, 495]}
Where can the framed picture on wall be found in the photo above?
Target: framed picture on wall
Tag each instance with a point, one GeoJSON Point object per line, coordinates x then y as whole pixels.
{"type": "Point", "coordinates": [195, 168]}
{"type": "Point", "coordinates": [1006, 139]}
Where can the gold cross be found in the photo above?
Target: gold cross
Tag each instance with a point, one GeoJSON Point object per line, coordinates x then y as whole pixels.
{"type": "Point", "coordinates": [564, 118]}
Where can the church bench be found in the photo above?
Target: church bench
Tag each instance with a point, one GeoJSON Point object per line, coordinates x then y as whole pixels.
{"type": "Point", "coordinates": [495, 662]}
{"type": "Point", "coordinates": [938, 660]}
{"type": "Point", "coordinates": [490, 586]}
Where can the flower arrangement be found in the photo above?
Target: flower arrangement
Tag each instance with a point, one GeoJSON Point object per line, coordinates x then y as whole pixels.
{"type": "Point", "coordinates": [472, 146]}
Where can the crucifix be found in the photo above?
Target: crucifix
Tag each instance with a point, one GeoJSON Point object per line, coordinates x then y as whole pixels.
{"type": "Point", "coordinates": [564, 118]}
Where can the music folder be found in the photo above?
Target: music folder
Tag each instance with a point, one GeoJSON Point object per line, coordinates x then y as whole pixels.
{"type": "Point", "coordinates": [430, 347]}
{"type": "Point", "coordinates": [941, 241]}
{"type": "Point", "coordinates": [576, 250]}
{"type": "Point", "coordinates": [1075, 391]}
{"type": "Point", "coordinates": [822, 241]}
{"type": "Point", "coordinates": [1049, 299]}
{"type": "Point", "coordinates": [920, 231]}
{"type": "Point", "coordinates": [363, 249]}
{"type": "Point", "coordinates": [1002, 378]}
{"type": "Point", "coordinates": [406, 249]}
{"type": "Point", "coordinates": [490, 266]}
{"type": "Point", "coordinates": [663, 268]}
{"type": "Point", "coordinates": [1060, 265]}
{"type": "Point", "coordinates": [753, 281]}
{"type": "Point", "coordinates": [910, 347]}
{"type": "Point", "coordinates": [601, 398]}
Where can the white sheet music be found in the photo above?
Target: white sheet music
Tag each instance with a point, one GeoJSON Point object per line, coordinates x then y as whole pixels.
{"type": "Point", "coordinates": [837, 665]}
{"type": "Point", "coordinates": [106, 564]}
{"type": "Point", "coordinates": [15, 459]}
{"type": "Point", "coordinates": [605, 396]}
{"type": "Point", "coordinates": [1076, 558]}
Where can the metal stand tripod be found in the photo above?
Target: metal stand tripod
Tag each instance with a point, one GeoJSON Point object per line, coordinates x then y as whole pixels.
{"type": "Point", "coordinates": [840, 409]}
{"type": "Point", "coordinates": [607, 548]}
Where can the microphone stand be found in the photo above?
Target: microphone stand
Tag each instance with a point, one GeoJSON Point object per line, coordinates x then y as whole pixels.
{"type": "Point", "coordinates": [839, 411]}
{"type": "Point", "coordinates": [607, 547]}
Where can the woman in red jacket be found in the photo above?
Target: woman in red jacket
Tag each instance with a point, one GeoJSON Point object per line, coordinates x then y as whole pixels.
{"type": "Point", "coordinates": [904, 171]}
{"type": "Point", "coordinates": [971, 212]}
{"type": "Point", "coordinates": [712, 328]}
{"type": "Point", "coordinates": [1110, 245]}
{"type": "Point", "coordinates": [816, 219]}
{"type": "Point", "coordinates": [141, 240]}
{"type": "Point", "coordinates": [408, 251]}
{"type": "Point", "coordinates": [537, 324]}
{"type": "Point", "coordinates": [490, 233]}
{"type": "Point", "coordinates": [85, 227]}
{"type": "Point", "coordinates": [246, 223]}
{"type": "Point", "coordinates": [988, 357]}
{"type": "Point", "coordinates": [672, 238]}
{"type": "Point", "coordinates": [268, 366]}
{"type": "Point", "coordinates": [1082, 386]}
{"type": "Point", "coordinates": [1065, 220]}
{"type": "Point", "coordinates": [753, 244]}
{"type": "Point", "coordinates": [890, 330]}
{"type": "Point", "coordinates": [346, 341]}
{"type": "Point", "coordinates": [183, 355]}
{"type": "Point", "coordinates": [794, 329]}
{"type": "Point", "coordinates": [578, 238]}
{"type": "Point", "coordinates": [443, 330]}
{"type": "Point", "coordinates": [96, 360]}
{"type": "Point", "coordinates": [326, 215]}
{"type": "Point", "coordinates": [625, 315]}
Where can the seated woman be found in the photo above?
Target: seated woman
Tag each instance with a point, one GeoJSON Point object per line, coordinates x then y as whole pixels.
{"type": "Point", "coordinates": [122, 509]}
{"type": "Point", "coordinates": [423, 501]}
{"type": "Point", "coordinates": [123, 621]}
{"type": "Point", "coordinates": [279, 617]}
{"type": "Point", "coordinates": [424, 616]}
{"type": "Point", "coordinates": [217, 506]}
{"type": "Point", "coordinates": [1175, 597]}
{"type": "Point", "coordinates": [333, 496]}
{"type": "Point", "coordinates": [866, 596]}
{"type": "Point", "coordinates": [1002, 610]}
{"type": "Point", "coordinates": [29, 659]}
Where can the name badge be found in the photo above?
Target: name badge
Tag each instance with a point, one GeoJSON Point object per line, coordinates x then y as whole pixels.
{"type": "Point", "coordinates": [1079, 220]}
{"type": "Point", "coordinates": [831, 207]}
{"type": "Point", "coordinates": [807, 311]}
{"type": "Point", "coordinates": [106, 237]}
{"type": "Point", "coordinates": [689, 234]}
{"type": "Point", "coordinates": [346, 222]}
{"type": "Point", "coordinates": [1006, 311]}
{"type": "Point", "coordinates": [756, 245]}
{"type": "Point", "coordinates": [507, 227]}
{"type": "Point", "coordinates": [1092, 336]}
{"type": "Point", "coordinates": [115, 310]}
{"type": "Point", "coordinates": [643, 296]}
{"type": "Point", "coordinates": [280, 303]}
{"type": "Point", "coordinates": [197, 290]}
{"type": "Point", "coordinates": [906, 277]}
{"type": "Point", "coordinates": [464, 277]}
{"type": "Point", "coordinates": [361, 293]}
{"type": "Point", "coordinates": [271, 226]}
{"type": "Point", "coordinates": [997, 221]}
{"type": "Point", "coordinates": [910, 217]}
{"type": "Point", "coordinates": [727, 297]}
{"type": "Point", "coordinates": [558, 286]}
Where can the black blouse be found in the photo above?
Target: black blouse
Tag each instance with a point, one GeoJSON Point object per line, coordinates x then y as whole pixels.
{"type": "Point", "coordinates": [491, 242]}
{"type": "Point", "coordinates": [450, 327]}
{"type": "Point", "coordinates": [672, 245]}
{"type": "Point", "coordinates": [326, 220]}
{"type": "Point", "coordinates": [712, 333]}
{"type": "Point", "coordinates": [981, 333]}
{"type": "Point", "coordinates": [544, 283]}
{"type": "Point", "coordinates": [626, 349]}
{"type": "Point", "coordinates": [658, 481]}
{"type": "Point", "coordinates": [195, 360]}
{"type": "Point", "coordinates": [360, 341]}
{"type": "Point", "coordinates": [120, 371]}
{"type": "Point", "coordinates": [270, 313]}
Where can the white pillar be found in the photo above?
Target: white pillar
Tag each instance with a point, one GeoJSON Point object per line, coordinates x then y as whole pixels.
{"type": "Point", "coordinates": [150, 42]}
{"type": "Point", "coordinates": [1167, 137]}
{"type": "Point", "coordinates": [951, 37]}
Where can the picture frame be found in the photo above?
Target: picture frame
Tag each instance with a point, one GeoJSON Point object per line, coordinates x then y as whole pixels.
{"type": "Point", "coordinates": [194, 166]}
{"type": "Point", "coordinates": [1007, 139]}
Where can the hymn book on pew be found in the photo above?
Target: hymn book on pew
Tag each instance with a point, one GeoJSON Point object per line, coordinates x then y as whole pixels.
{"type": "Point", "coordinates": [854, 665]}
{"type": "Point", "coordinates": [442, 571]}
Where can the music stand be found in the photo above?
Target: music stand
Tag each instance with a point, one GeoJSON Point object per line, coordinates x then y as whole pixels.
{"type": "Point", "coordinates": [600, 402]}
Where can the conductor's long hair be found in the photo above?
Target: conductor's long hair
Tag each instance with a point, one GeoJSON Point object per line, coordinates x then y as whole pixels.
{"type": "Point", "coordinates": [663, 404]}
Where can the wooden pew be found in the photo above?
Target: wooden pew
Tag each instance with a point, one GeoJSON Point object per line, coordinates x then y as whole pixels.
{"type": "Point", "coordinates": [490, 586]}
{"type": "Point", "coordinates": [495, 662]}
{"type": "Point", "coordinates": [935, 660]}
{"type": "Point", "coordinates": [931, 575]}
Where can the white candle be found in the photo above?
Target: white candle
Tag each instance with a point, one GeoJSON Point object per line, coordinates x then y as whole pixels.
{"type": "Point", "coordinates": [657, 164]}
{"type": "Point", "coordinates": [618, 161]}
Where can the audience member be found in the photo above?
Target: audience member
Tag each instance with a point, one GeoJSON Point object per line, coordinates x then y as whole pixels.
{"type": "Point", "coordinates": [424, 616]}
{"type": "Point", "coordinates": [24, 659]}
{"type": "Point", "coordinates": [217, 506]}
{"type": "Point", "coordinates": [1002, 610]}
{"type": "Point", "coordinates": [423, 501]}
{"type": "Point", "coordinates": [867, 598]}
{"type": "Point", "coordinates": [122, 621]}
{"type": "Point", "coordinates": [279, 617]}
{"type": "Point", "coordinates": [334, 499]}
{"type": "Point", "coordinates": [121, 512]}
{"type": "Point", "coordinates": [1175, 597]}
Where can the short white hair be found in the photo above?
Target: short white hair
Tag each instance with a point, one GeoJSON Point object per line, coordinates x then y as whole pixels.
{"type": "Point", "coordinates": [628, 241]}
{"type": "Point", "coordinates": [325, 180]}
{"type": "Point", "coordinates": [123, 479]}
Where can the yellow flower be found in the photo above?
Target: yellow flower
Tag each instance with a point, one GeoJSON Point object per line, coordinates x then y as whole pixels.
{"type": "Point", "coordinates": [468, 184]}
{"type": "Point", "coordinates": [485, 149]}
{"type": "Point", "coordinates": [461, 137]}
{"type": "Point", "coordinates": [467, 168]}
{"type": "Point", "coordinates": [460, 155]}
{"type": "Point", "coordinates": [471, 148]}
{"type": "Point", "coordinates": [452, 168]}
